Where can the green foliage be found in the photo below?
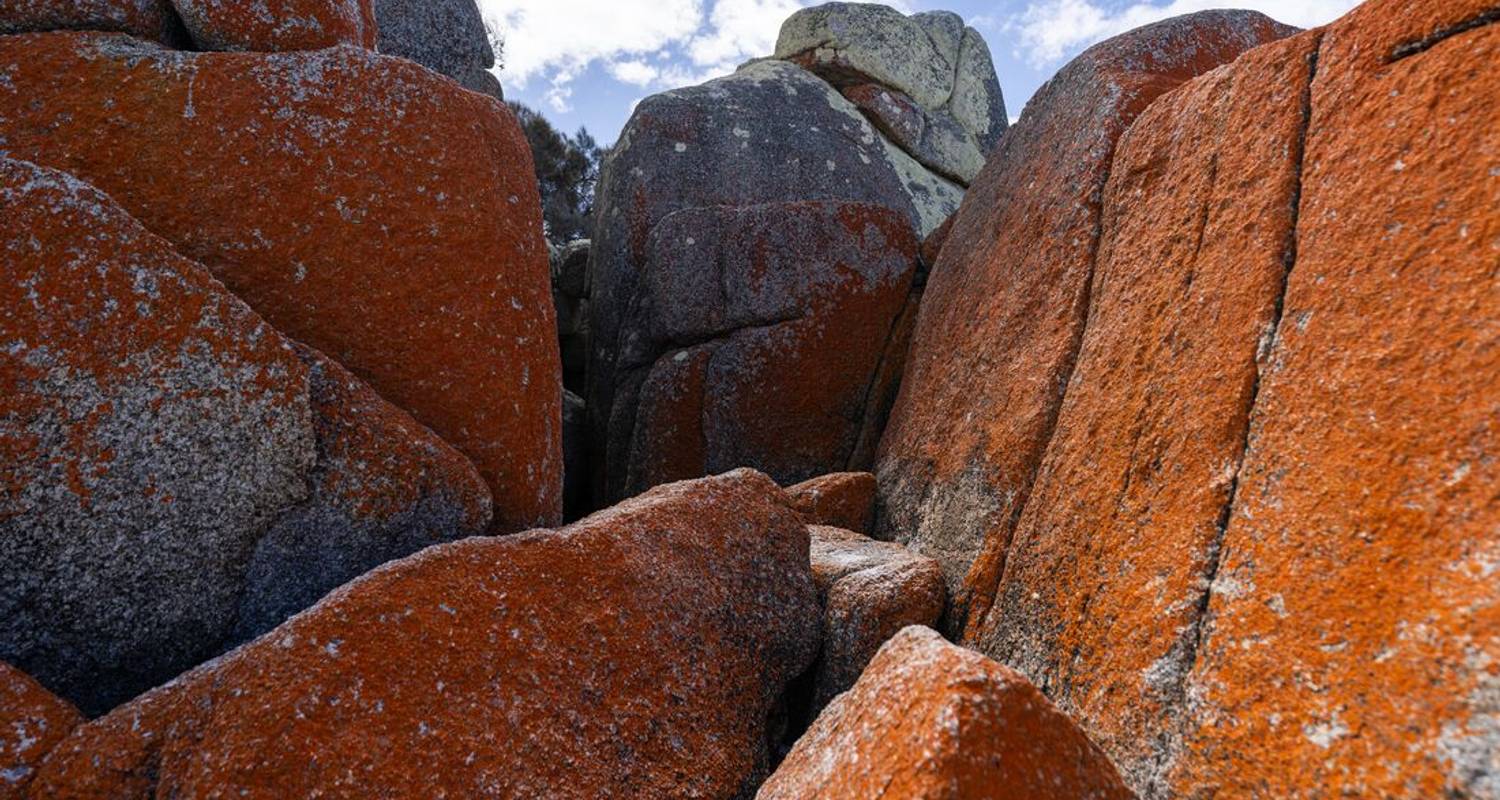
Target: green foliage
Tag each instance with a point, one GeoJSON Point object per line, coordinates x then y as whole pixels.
{"type": "Point", "coordinates": [567, 168]}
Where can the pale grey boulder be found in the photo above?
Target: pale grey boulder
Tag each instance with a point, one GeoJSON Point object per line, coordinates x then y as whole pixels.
{"type": "Point", "coordinates": [931, 62]}
{"type": "Point", "coordinates": [446, 36]}
{"type": "Point", "coordinates": [175, 475]}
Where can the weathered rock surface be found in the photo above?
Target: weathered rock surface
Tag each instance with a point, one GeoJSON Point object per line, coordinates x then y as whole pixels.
{"type": "Point", "coordinates": [446, 36]}
{"type": "Point", "coordinates": [926, 81]}
{"type": "Point", "coordinates": [1353, 630]}
{"type": "Point", "coordinates": [277, 25]}
{"type": "Point", "coordinates": [1107, 572]}
{"type": "Point", "coordinates": [424, 274]}
{"type": "Point", "coordinates": [174, 474]}
{"type": "Point", "coordinates": [635, 654]}
{"type": "Point", "coordinates": [932, 721]}
{"type": "Point", "coordinates": [32, 722]}
{"type": "Point", "coordinates": [870, 590]}
{"type": "Point", "coordinates": [149, 19]}
{"type": "Point", "coordinates": [755, 338]}
{"type": "Point", "coordinates": [1003, 313]}
{"type": "Point", "coordinates": [841, 500]}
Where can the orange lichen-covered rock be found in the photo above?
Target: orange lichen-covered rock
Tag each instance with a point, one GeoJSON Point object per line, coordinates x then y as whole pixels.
{"type": "Point", "coordinates": [32, 722]}
{"type": "Point", "coordinates": [870, 591]}
{"type": "Point", "coordinates": [175, 475]}
{"type": "Point", "coordinates": [637, 653]}
{"type": "Point", "coordinates": [275, 25]}
{"type": "Point", "coordinates": [1004, 310]}
{"type": "Point", "coordinates": [758, 339]}
{"type": "Point", "coordinates": [841, 499]}
{"type": "Point", "coordinates": [932, 721]}
{"type": "Point", "coordinates": [1107, 573]}
{"type": "Point", "coordinates": [360, 203]}
{"type": "Point", "coordinates": [148, 19]}
{"type": "Point", "coordinates": [1353, 633]}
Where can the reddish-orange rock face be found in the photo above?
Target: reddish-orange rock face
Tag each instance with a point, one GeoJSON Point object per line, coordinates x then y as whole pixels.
{"type": "Point", "coordinates": [148, 19]}
{"type": "Point", "coordinates": [1107, 573]}
{"type": "Point", "coordinates": [635, 654]}
{"type": "Point", "coordinates": [362, 204]}
{"type": "Point", "coordinates": [276, 25]}
{"type": "Point", "coordinates": [1353, 636]}
{"type": "Point", "coordinates": [843, 500]}
{"type": "Point", "coordinates": [32, 722]}
{"type": "Point", "coordinates": [1003, 313]}
{"type": "Point", "coordinates": [931, 721]}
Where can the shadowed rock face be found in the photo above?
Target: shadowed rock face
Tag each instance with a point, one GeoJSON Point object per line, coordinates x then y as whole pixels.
{"type": "Point", "coordinates": [925, 81]}
{"type": "Point", "coordinates": [177, 476]}
{"type": "Point", "coordinates": [446, 36]}
{"type": "Point", "coordinates": [424, 274]}
{"type": "Point", "coordinates": [1107, 573]}
{"type": "Point", "coordinates": [32, 722]}
{"type": "Point", "coordinates": [757, 338]}
{"type": "Point", "coordinates": [277, 25]}
{"type": "Point", "coordinates": [932, 721]}
{"type": "Point", "coordinates": [1004, 310]}
{"type": "Point", "coordinates": [635, 654]}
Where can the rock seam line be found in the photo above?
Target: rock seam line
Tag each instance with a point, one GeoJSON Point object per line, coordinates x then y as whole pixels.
{"type": "Point", "coordinates": [1226, 514]}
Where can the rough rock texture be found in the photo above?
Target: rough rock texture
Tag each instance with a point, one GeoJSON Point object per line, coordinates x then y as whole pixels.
{"type": "Point", "coordinates": [755, 339]}
{"type": "Point", "coordinates": [925, 81]}
{"type": "Point", "coordinates": [840, 499]}
{"type": "Point", "coordinates": [174, 474]}
{"type": "Point", "coordinates": [148, 19]}
{"type": "Point", "coordinates": [635, 654]}
{"type": "Point", "coordinates": [1004, 310]}
{"type": "Point", "coordinates": [32, 722]}
{"type": "Point", "coordinates": [359, 203]}
{"type": "Point", "coordinates": [1353, 632]}
{"type": "Point", "coordinates": [1107, 572]}
{"type": "Point", "coordinates": [931, 721]}
{"type": "Point", "coordinates": [446, 36]}
{"type": "Point", "coordinates": [276, 25]}
{"type": "Point", "coordinates": [870, 591]}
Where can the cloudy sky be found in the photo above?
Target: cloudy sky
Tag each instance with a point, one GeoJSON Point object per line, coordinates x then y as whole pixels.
{"type": "Point", "coordinates": [587, 62]}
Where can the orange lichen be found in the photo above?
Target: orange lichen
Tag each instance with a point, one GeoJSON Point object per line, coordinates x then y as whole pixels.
{"type": "Point", "coordinates": [1354, 626]}
{"type": "Point", "coordinates": [931, 721]}
{"type": "Point", "coordinates": [363, 205]}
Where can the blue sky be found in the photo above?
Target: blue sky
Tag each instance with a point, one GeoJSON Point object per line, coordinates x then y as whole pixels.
{"type": "Point", "coordinates": [587, 62]}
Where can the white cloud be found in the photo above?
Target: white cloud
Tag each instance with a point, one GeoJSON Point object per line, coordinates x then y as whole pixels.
{"type": "Point", "coordinates": [653, 44]}
{"type": "Point", "coordinates": [1049, 30]}
{"type": "Point", "coordinates": [635, 72]}
{"type": "Point", "coordinates": [558, 39]}
{"type": "Point", "coordinates": [740, 29]}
